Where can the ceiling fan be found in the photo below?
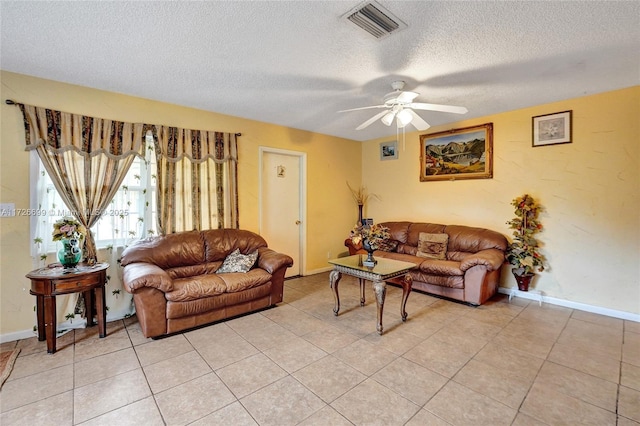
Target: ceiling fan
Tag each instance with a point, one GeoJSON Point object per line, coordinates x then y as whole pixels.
{"type": "Point", "coordinates": [399, 105]}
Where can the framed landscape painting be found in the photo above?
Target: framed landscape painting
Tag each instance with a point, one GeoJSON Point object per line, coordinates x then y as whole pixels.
{"type": "Point", "coordinates": [465, 153]}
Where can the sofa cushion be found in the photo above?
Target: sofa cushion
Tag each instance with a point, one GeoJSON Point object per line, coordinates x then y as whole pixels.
{"type": "Point", "coordinates": [238, 262]}
{"type": "Point", "coordinates": [441, 267]}
{"type": "Point", "coordinates": [433, 246]}
{"type": "Point", "coordinates": [192, 288]}
{"type": "Point", "coordinates": [237, 281]}
{"type": "Point", "coordinates": [388, 245]}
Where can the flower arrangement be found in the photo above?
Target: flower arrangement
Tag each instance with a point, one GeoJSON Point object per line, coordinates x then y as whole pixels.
{"type": "Point", "coordinates": [373, 234]}
{"type": "Point", "coordinates": [68, 228]}
{"type": "Point", "coordinates": [523, 252]}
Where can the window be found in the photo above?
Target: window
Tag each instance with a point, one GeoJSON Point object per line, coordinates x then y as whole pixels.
{"type": "Point", "coordinates": [131, 215]}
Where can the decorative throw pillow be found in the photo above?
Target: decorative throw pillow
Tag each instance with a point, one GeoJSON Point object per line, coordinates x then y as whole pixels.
{"type": "Point", "coordinates": [238, 262]}
{"type": "Point", "coordinates": [388, 245]}
{"type": "Point", "coordinates": [433, 246]}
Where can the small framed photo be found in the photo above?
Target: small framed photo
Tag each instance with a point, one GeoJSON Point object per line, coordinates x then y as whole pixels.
{"type": "Point", "coordinates": [389, 150]}
{"type": "Point", "coordinates": [552, 129]}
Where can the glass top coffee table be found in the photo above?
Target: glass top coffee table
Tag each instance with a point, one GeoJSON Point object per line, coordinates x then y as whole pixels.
{"type": "Point", "coordinates": [384, 270]}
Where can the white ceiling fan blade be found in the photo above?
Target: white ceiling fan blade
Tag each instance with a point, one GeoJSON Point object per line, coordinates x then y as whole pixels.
{"type": "Point", "coordinates": [406, 97]}
{"type": "Point", "coordinates": [417, 121]}
{"type": "Point", "coordinates": [436, 107]}
{"type": "Point", "coordinates": [367, 107]}
{"type": "Point", "coordinates": [371, 120]}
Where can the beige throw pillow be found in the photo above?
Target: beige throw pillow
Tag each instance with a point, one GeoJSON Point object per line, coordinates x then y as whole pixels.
{"type": "Point", "coordinates": [433, 246]}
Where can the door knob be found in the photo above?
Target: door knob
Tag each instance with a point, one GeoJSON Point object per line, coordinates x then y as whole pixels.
{"type": "Point", "coordinates": [298, 222]}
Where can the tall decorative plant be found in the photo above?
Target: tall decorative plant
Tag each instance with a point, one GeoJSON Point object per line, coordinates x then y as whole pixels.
{"type": "Point", "coordinates": [361, 196]}
{"type": "Point", "coordinates": [523, 253]}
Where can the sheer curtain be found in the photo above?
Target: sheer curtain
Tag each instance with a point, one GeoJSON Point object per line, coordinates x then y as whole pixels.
{"type": "Point", "coordinates": [197, 179]}
{"type": "Point", "coordinates": [86, 158]}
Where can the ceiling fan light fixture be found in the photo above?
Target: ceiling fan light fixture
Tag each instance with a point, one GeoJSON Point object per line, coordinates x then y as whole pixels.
{"type": "Point", "coordinates": [404, 117]}
{"type": "Point", "coordinates": [387, 119]}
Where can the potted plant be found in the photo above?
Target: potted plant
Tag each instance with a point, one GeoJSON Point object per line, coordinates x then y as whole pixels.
{"type": "Point", "coordinates": [523, 253]}
{"type": "Point", "coordinates": [370, 236]}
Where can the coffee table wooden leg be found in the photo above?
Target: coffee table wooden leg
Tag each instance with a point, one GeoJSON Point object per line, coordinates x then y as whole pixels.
{"type": "Point", "coordinates": [101, 307]}
{"type": "Point", "coordinates": [407, 284]}
{"type": "Point", "coordinates": [42, 335]}
{"type": "Point", "coordinates": [361, 291]}
{"type": "Point", "coordinates": [334, 279]}
{"type": "Point", "coordinates": [51, 324]}
{"type": "Point", "coordinates": [380, 290]}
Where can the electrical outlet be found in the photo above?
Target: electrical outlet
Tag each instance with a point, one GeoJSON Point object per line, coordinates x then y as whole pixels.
{"type": "Point", "coordinates": [328, 255]}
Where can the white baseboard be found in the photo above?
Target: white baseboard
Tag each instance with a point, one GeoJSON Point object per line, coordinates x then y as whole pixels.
{"type": "Point", "coordinates": [540, 297]}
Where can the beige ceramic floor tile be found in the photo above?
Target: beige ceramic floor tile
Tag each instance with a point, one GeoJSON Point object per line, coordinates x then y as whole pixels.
{"type": "Point", "coordinates": [233, 414]}
{"type": "Point", "coordinates": [461, 406]}
{"type": "Point", "coordinates": [597, 338]}
{"type": "Point", "coordinates": [250, 374]}
{"type": "Point", "coordinates": [511, 360]}
{"type": "Point", "coordinates": [161, 349]}
{"type": "Point", "coordinates": [193, 400]}
{"type": "Point", "coordinates": [630, 376]}
{"type": "Point", "coordinates": [207, 343]}
{"type": "Point", "coordinates": [552, 407]}
{"type": "Point", "coordinates": [410, 380]}
{"type": "Point", "coordinates": [143, 411]}
{"type": "Point", "coordinates": [105, 366]}
{"type": "Point", "coordinates": [426, 418]}
{"type": "Point", "coordinates": [38, 362]}
{"type": "Point", "coordinates": [365, 357]}
{"type": "Point", "coordinates": [56, 410]}
{"type": "Point", "coordinates": [329, 378]}
{"type": "Point", "coordinates": [24, 391]}
{"type": "Point", "coordinates": [585, 387]}
{"type": "Point", "coordinates": [631, 348]}
{"type": "Point", "coordinates": [496, 383]}
{"type": "Point", "coordinates": [629, 403]}
{"type": "Point", "coordinates": [330, 339]}
{"type": "Point", "coordinates": [398, 342]}
{"type": "Point", "coordinates": [31, 345]}
{"type": "Point", "coordinates": [294, 320]}
{"type": "Point", "coordinates": [285, 402]}
{"type": "Point", "coordinates": [611, 323]}
{"type": "Point", "coordinates": [588, 362]}
{"type": "Point", "coordinates": [623, 421]}
{"type": "Point", "coordinates": [175, 371]}
{"type": "Point", "coordinates": [439, 356]}
{"type": "Point", "coordinates": [294, 354]}
{"type": "Point", "coordinates": [92, 345]}
{"type": "Point", "coordinates": [109, 394]}
{"type": "Point", "coordinates": [324, 417]}
{"type": "Point", "coordinates": [524, 420]}
{"type": "Point", "coordinates": [632, 326]}
{"type": "Point", "coordinates": [371, 403]}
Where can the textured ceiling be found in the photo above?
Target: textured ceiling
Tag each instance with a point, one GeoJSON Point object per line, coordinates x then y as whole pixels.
{"type": "Point", "coordinates": [296, 63]}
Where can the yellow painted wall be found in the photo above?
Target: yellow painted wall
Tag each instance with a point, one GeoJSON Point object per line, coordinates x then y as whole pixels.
{"type": "Point", "coordinates": [590, 190]}
{"type": "Point", "coordinates": [331, 162]}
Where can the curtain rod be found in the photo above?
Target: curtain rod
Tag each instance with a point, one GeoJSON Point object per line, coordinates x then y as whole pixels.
{"type": "Point", "coordinates": [12, 102]}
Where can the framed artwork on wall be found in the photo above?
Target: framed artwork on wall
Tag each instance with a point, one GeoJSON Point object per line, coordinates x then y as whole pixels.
{"type": "Point", "coordinates": [552, 129]}
{"type": "Point", "coordinates": [389, 150]}
{"type": "Point", "coordinates": [465, 153]}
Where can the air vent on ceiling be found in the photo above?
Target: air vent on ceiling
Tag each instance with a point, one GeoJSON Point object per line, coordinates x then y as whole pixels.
{"type": "Point", "coordinates": [374, 19]}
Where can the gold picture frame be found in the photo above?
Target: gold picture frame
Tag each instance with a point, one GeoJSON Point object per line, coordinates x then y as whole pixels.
{"type": "Point", "coordinates": [551, 129]}
{"type": "Point", "coordinates": [465, 153]}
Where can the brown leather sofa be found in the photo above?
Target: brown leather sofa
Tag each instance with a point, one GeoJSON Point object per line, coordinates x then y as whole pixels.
{"type": "Point", "coordinates": [470, 270]}
{"type": "Point", "coordinates": [175, 286]}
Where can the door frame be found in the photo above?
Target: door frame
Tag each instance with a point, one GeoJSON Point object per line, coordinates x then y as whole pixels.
{"type": "Point", "coordinates": [302, 208]}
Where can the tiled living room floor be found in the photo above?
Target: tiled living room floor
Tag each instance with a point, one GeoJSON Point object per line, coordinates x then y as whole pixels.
{"type": "Point", "coordinates": [504, 363]}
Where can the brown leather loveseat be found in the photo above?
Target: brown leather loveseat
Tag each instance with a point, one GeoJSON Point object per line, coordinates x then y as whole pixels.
{"type": "Point", "coordinates": [177, 283]}
{"type": "Point", "coordinates": [454, 261]}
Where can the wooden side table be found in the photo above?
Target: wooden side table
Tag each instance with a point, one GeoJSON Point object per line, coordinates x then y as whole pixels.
{"type": "Point", "coordinates": [47, 283]}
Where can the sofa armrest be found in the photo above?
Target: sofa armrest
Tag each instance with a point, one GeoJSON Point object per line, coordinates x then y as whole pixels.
{"type": "Point", "coordinates": [354, 248]}
{"type": "Point", "coordinates": [138, 275]}
{"type": "Point", "coordinates": [492, 259]}
{"type": "Point", "coordinates": [271, 261]}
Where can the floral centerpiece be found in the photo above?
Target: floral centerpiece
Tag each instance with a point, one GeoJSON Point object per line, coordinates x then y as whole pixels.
{"type": "Point", "coordinates": [71, 233]}
{"type": "Point", "coordinates": [369, 237]}
{"type": "Point", "coordinates": [523, 253]}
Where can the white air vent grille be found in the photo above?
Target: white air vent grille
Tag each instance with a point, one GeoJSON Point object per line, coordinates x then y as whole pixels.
{"type": "Point", "coordinates": [374, 19]}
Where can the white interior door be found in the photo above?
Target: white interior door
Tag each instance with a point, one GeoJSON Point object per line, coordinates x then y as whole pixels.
{"type": "Point", "coordinates": [281, 204]}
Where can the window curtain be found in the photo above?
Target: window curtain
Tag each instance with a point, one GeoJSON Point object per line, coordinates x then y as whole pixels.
{"type": "Point", "coordinates": [197, 179]}
{"type": "Point", "coordinates": [87, 158]}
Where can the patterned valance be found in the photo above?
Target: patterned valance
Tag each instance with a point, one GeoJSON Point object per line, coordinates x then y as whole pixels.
{"type": "Point", "coordinates": [175, 144]}
{"type": "Point", "coordinates": [88, 136]}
